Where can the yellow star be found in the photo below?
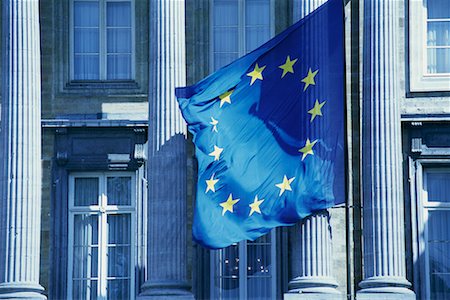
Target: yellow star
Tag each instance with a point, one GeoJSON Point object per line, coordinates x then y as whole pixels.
{"type": "Point", "coordinates": [216, 153]}
{"type": "Point", "coordinates": [210, 184]}
{"type": "Point", "coordinates": [225, 97]}
{"type": "Point", "coordinates": [285, 185]}
{"type": "Point", "coordinates": [308, 148]}
{"type": "Point", "coordinates": [214, 123]}
{"type": "Point", "coordinates": [256, 73]}
{"type": "Point", "coordinates": [255, 205]}
{"type": "Point", "coordinates": [315, 111]}
{"type": "Point", "coordinates": [228, 205]}
{"type": "Point", "coordinates": [288, 66]}
{"type": "Point", "coordinates": [309, 79]}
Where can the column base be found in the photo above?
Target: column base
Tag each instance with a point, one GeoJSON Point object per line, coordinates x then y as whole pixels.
{"type": "Point", "coordinates": [21, 291]}
{"type": "Point", "coordinates": [165, 290]}
{"type": "Point", "coordinates": [388, 288]}
{"type": "Point", "coordinates": [309, 296]}
{"type": "Point", "coordinates": [313, 287]}
{"type": "Point", "coordinates": [313, 284]}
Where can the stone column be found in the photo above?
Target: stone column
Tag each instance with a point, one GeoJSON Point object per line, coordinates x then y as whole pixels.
{"type": "Point", "coordinates": [167, 219]}
{"type": "Point", "coordinates": [20, 144]}
{"type": "Point", "coordinates": [314, 242]}
{"type": "Point", "coordinates": [302, 8]}
{"type": "Point", "coordinates": [315, 278]}
{"type": "Point", "coordinates": [383, 219]}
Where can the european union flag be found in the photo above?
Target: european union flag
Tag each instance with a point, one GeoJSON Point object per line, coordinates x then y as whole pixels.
{"type": "Point", "coordinates": [269, 132]}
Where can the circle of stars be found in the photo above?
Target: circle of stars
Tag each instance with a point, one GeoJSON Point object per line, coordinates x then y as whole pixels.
{"type": "Point", "coordinates": [226, 99]}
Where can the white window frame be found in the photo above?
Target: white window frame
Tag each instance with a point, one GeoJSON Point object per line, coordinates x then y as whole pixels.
{"type": "Point", "coordinates": [241, 29]}
{"type": "Point", "coordinates": [102, 43]}
{"type": "Point", "coordinates": [215, 254]}
{"type": "Point", "coordinates": [102, 212]}
{"type": "Point", "coordinates": [420, 80]}
{"type": "Point", "coordinates": [420, 213]}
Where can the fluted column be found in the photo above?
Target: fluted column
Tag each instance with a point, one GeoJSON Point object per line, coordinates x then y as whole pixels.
{"type": "Point", "coordinates": [167, 219]}
{"type": "Point", "coordinates": [20, 177]}
{"type": "Point", "coordinates": [314, 233]}
{"type": "Point", "coordinates": [383, 219]}
{"type": "Point", "coordinates": [301, 8]}
{"type": "Point", "coordinates": [316, 276]}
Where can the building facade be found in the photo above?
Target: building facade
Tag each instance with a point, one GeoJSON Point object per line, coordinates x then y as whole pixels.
{"type": "Point", "coordinates": [98, 173]}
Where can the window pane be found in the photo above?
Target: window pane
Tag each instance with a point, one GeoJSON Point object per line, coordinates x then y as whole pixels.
{"type": "Point", "coordinates": [259, 257]}
{"type": "Point", "coordinates": [258, 260]}
{"type": "Point", "coordinates": [260, 18]}
{"type": "Point", "coordinates": [85, 230]}
{"type": "Point", "coordinates": [119, 229]}
{"type": "Point", "coordinates": [86, 67]}
{"type": "Point", "coordinates": [440, 286]}
{"type": "Point", "coordinates": [85, 14]}
{"type": "Point", "coordinates": [86, 40]}
{"type": "Point", "coordinates": [119, 66]}
{"type": "Point", "coordinates": [439, 253]}
{"type": "Point", "coordinates": [85, 262]}
{"type": "Point", "coordinates": [229, 262]}
{"type": "Point", "coordinates": [255, 37]}
{"type": "Point", "coordinates": [259, 268]}
{"type": "Point", "coordinates": [118, 289]}
{"type": "Point", "coordinates": [119, 190]}
{"type": "Point", "coordinates": [438, 226]}
{"type": "Point", "coordinates": [118, 14]}
{"type": "Point", "coordinates": [226, 270]}
{"type": "Point", "coordinates": [226, 39]}
{"type": "Point", "coordinates": [119, 40]}
{"type": "Point", "coordinates": [226, 288]}
{"type": "Point", "coordinates": [84, 289]}
{"type": "Point", "coordinates": [119, 261]}
{"type": "Point", "coordinates": [438, 33]}
{"type": "Point", "coordinates": [259, 288]}
{"type": "Point", "coordinates": [438, 9]}
{"type": "Point", "coordinates": [86, 191]}
{"type": "Point", "coordinates": [223, 59]}
{"type": "Point", "coordinates": [438, 186]}
{"type": "Point", "coordinates": [438, 61]}
{"type": "Point", "coordinates": [225, 12]}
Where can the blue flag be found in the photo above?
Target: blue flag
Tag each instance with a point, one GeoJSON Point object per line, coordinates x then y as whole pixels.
{"type": "Point", "coordinates": [269, 132]}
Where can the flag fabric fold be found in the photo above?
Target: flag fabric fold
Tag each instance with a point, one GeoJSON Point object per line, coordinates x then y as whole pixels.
{"type": "Point", "coordinates": [269, 132]}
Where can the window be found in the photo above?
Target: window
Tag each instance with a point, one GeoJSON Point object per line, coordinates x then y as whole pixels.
{"type": "Point", "coordinates": [245, 270]}
{"type": "Point", "coordinates": [101, 236]}
{"type": "Point", "coordinates": [237, 29]}
{"type": "Point", "coordinates": [102, 40]}
{"type": "Point", "coordinates": [435, 233]}
{"type": "Point", "coordinates": [429, 45]}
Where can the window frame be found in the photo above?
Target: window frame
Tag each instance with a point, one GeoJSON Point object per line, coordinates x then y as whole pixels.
{"type": "Point", "coordinates": [420, 80]}
{"type": "Point", "coordinates": [103, 73]}
{"type": "Point", "coordinates": [102, 219]}
{"type": "Point", "coordinates": [241, 29]}
{"type": "Point", "coordinates": [419, 212]}
{"type": "Point", "coordinates": [243, 275]}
